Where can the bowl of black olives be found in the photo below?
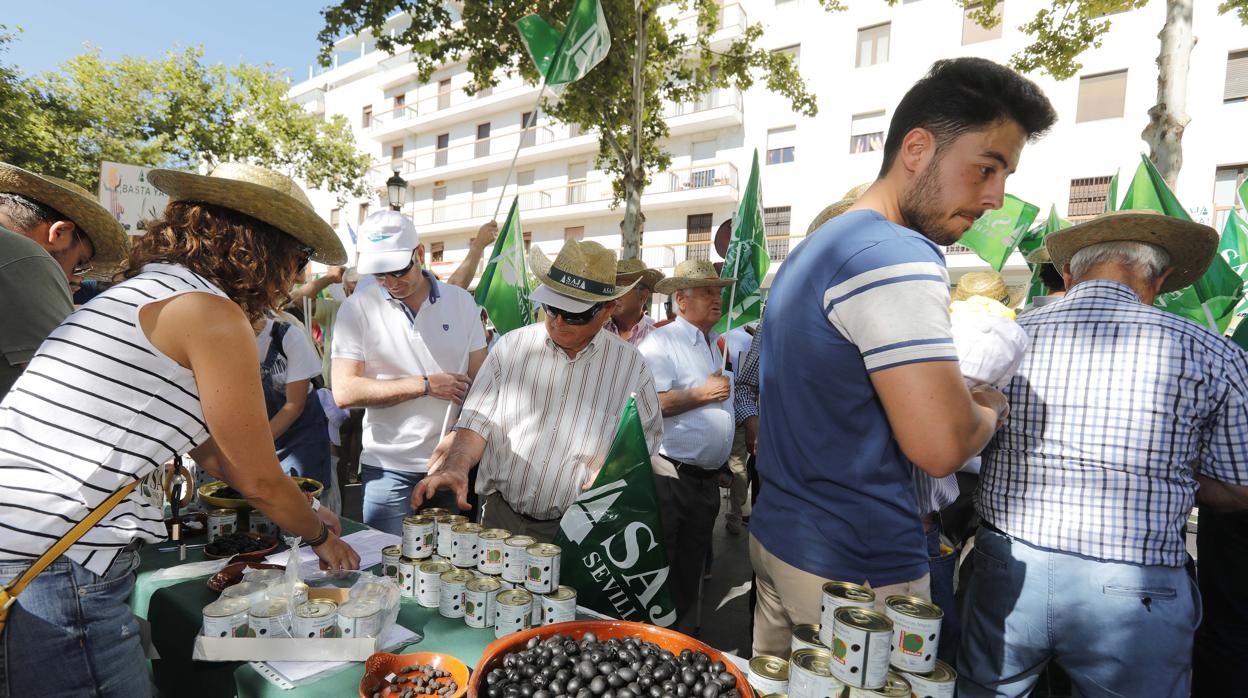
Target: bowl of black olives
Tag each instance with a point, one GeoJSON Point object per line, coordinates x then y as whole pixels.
{"type": "Point", "coordinates": [241, 545]}
{"type": "Point", "coordinates": [604, 659]}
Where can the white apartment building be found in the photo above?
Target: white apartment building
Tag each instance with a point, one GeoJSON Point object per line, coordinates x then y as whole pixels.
{"type": "Point", "coordinates": [454, 148]}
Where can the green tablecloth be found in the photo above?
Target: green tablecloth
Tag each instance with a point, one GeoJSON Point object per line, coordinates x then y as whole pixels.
{"type": "Point", "coordinates": [174, 608]}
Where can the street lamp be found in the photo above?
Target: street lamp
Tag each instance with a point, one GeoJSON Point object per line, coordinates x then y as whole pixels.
{"type": "Point", "coordinates": [396, 190]}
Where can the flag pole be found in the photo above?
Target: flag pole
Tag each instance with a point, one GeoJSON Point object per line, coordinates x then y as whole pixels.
{"type": "Point", "coordinates": [537, 108]}
{"type": "Point", "coordinates": [1213, 324]}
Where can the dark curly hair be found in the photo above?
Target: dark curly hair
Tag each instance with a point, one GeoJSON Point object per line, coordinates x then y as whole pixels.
{"type": "Point", "coordinates": [254, 263]}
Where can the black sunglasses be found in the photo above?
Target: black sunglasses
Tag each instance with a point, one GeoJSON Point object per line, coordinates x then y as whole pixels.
{"type": "Point", "coordinates": [305, 254]}
{"type": "Point", "coordinates": [581, 318]}
{"type": "Point", "coordinates": [84, 267]}
{"type": "Point", "coordinates": [396, 274]}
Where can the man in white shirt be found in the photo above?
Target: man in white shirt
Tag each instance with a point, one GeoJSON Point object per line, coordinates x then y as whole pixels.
{"type": "Point", "coordinates": [406, 350]}
{"type": "Point", "coordinates": [546, 405]}
{"type": "Point", "coordinates": [698, 422]}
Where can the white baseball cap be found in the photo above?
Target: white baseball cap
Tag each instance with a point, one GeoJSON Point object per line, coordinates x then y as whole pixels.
{"type": "Point", "coordinates": [386, 242]}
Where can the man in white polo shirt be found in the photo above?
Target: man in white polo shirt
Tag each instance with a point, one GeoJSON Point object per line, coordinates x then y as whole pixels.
{"type": "Point", "coordinates": [406, 350]}
{"type": "Point", "coordinates": [698, 423]}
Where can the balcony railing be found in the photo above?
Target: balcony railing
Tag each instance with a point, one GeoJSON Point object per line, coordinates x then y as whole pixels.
{"type": "Point", "coordinates": [430, 104]}
{"type": "Point", "coordinates": [711, 100]}
{"type": "Point", "coordinates": [732, 19]}
{"type": "Point", "coordinates": [468, 150]}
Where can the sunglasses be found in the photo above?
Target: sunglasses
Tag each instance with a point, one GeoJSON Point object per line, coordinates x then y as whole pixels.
{"type": "Point", "coordinates": [396, 274]}
{"type": "Point", "coordinates": [84, 267]}
{"type": "Point", "coordinates": [581, 318]}
{"type": "Point", "coordinates": [305, 254]}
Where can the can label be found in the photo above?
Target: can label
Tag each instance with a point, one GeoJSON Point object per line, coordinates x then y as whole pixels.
{"type": "Point", "coordinates": [838, 595]}
{"type": "Point", "coordinates": [861, 646]}
{"type": "Point", "coordinates": [558, 606]}
{"type": "Point", "coordinates": [408, 569]}
{"type": "Point", "coordinates": [221, 522]}
{"type": "Point", "coordinates": [810, 675]}
{"type": "Point", "coordinates": [274, 625]}
{"type": "Point", "coordinates": [492, 542]}
{"type": "Point", "coordinates": [390, 560]}
{"type": "Point", "coordinates": [429, 582]}
{"type": "Point", "coordinates": [257, 522]}
{"type": "Point", "coordinates": [940, 682]}
{"type": "Point", "coordinates": [516, 558]}
{"type": "Point", "coordinates": [451, 598]}
{"type": "Point", "coordinates": [916, 633]}
{"type": "Point", "coordinates": [769, 675]}
{"type": "Point", "coordinates": [419, 537]}
{"type": "Point", "coordinates": [359, 619]}
{"type": "Point", "coordinates": [480, 596]}
{"type": "Point", "coordinates": [543, 568]}
{"type": "Point", "coordinates": [513, 612]}
{"type": "Point", "coordinates": [443, 537]}
{"type": "Point", "coordinates": [465, 545]}
{"type": "Point", "coordinates": [315, 619]}
{"type": "Point", "coordinates": [226, 618]}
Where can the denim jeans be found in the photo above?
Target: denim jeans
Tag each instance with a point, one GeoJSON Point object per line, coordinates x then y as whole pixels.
{"type": "Point", "coordinates": [71, 633]}
{"type": "Point", "coordinates": [942, 568]}
{"type": "Point", "coordinates": [1118, 629]}
{"type": "Point", "coordinates": [388, 497]}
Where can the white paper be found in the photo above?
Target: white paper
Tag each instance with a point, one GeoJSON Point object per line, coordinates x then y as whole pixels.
{"type": "Point", "coordinates": [367, 543]}
{"type": "Point", "coordinates": [293, 673]}
{"type": "Point", "coordinates": [190, 570]}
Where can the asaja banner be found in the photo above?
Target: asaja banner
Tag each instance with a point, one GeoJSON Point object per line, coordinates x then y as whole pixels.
{"type": "Point", "coordinates": [126, 193]}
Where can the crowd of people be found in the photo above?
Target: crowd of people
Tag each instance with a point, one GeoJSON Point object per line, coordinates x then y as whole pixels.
{"type": "Point", "coordinates": [864, 433]}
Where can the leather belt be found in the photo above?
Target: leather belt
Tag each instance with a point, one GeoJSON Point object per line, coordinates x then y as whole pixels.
{"type": "Point", "coordinates": [692, 470]}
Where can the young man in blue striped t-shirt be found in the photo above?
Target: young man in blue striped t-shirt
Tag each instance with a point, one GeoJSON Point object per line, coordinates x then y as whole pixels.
{"type": "Point", "coordinates": [859, 377]}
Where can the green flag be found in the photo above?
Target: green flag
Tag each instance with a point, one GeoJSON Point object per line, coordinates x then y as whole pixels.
{"type": "Point", "coordinates": [566, 56]}
{"type": "Point", "coordinates": [612, 538]}
{"type": "Point", "coordinates": [1240, 336]}
{"type": "Point", "coordinates": [1034, 240]}
{"type": "Point", "coordinates": [1111, 196]}
{"type": "Point", "coordinates": [504, 288]}
{"type": "Point", "coordinates": [996, 233]}
{"type": "Point", "coordinates": [1233, 247]}
{"type": "Point", "coordinates": [746, 259]}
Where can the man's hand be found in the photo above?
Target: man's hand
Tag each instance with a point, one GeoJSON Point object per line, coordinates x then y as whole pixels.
{"type": "Point", "coordinates": [486, 235]}
{"type": "Point", "coordinates": [335, 274]}
{"type": "Point", "coordinates": [445, 479]}
{"type": "Point", "coordinates": [330, 519]}
{"type": "Point", "coordinates": [438, 458]}
{"type": "Point", "coordinates": [993, 399]}
{"type": "Point", "coordinates": [337, 555]}
{"type": "Point", "coordinates": [716, 388]}
{"type": "Point", "coordinates": [449, 386]}
{"type": "Point", "coordinates": [751, 434]}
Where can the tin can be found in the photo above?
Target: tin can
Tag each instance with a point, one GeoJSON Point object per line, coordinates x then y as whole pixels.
{"type": "Point", "coordinates": [806, 637]}
{"type": "Point", "coordinates": [465, 544]}
{"type": "Point", "coordinates": [810, 675]}
{"type": "Point", "coordinates": [836, 595]}
{"type": "Point", "coordinates": [317, 618]}
{"type": "Point", "coordinates": [299, 594]}
{"type": "Point", "coordinates": [257, 522]}
{"type": "Point", "coordinates": [408, 570]}
{"type": "Point", "coordinates": [390, 560]}
{"type": "Point", "coordinates": [429, 582]}
{"type": "Point", "coordinates": [916, 632]}
{"type": "Point", "coordinates": [227, 617]}
{"type": "Point", "coordinates": [895, 686]}
{"type": "Point", "coordinates": [221, 522]}
{"type": "Point", "coordinates": [480, 596]}
{"type": "Point", "coordinates": [769, 674]}
{"type": "Point", "coordinates": [444, 525]}
{"type": "Point", "coordinates": [559, 606]}
{"type": "Point", "coordinates": [543, 568]}
{"type": "Point", "coordinates": [513, 612]}
{"type": "Point", "coordinates": [451, 596]}
{"type": "Point", "coordinates": [516, 558]}
{"type": "Point", "coordinates": [860, 646]}
{"type": "Point", "coordinates": [419, 537]}
{"type": "Point", "coordinates": [491, 544]}
{"type": "Point", "coordinates": [271, 620]}
{"type": "Point", "coordinates": [359, 619]}
{"type": "Point", "coordinates": [251, 592]}
{"type": "Point", "coordinates": [940, 682]}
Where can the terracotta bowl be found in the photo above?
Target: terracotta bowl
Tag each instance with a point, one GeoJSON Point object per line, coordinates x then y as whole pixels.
{"type": "Point", "coordinates": [383, 664]}
{"type": "Point", "coordinates": [669, 640]}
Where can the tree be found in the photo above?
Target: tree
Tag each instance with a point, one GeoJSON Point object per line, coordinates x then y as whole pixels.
{"type": "Point", "coordinates": [28, 124]}
{"type": "Point", "coordinates": [652, 61]}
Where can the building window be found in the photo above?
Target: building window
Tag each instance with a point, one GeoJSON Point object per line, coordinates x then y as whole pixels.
{"type": "Point", "coordinates": [335, 217]}
{"type": "Point", "coordinates": [444, 94]}
{"type": "Point", "coordinates": [528, 240]}
{"type": "Point", "coordinates": [436, 251]}
{"type": "Point", "coordinates": [528, 133]}
{"type": "Point", "coordinates": [866, 132]}
{"type": "Point", "coordinates": [577, 172]}
{"type": "Point", "coordinates": [781, 145]}
{"type": "Point", "coordinates": [795, 51]}
{"type": "Point", "coordinates": [439, 204]}
{"type": "Point", "coordinates": [1236, 89]}
{"type": "Point", "coordinates": [1087, 198]}
{"type": "Point", "coordinates": [366, 120]}
{"type": "Point", "coordinates": [776, 223]}
{"type": "Point", "coordinates": [1102, 96]}
{"type": "Point", "coordinates": [363, 213]}
{"type": "Point", "coordinates": [396, 152]}
{"type": "Point", "coordinates": [973, 32]}
{"type": "Point", "coordinates": [873, 45]}
{"type": "Point", "coordinates": [1226, 184]}
{"type": "Point", "coordinates": [698, 236]}
{"type": "Point", "coordinates": [574, 233]}
{"type": "Point", "coordinates": [444, 144]}
{"type": "Point", "coordinates": [483, 140]}
{"type": "Point", "coordinates": [399, 101]}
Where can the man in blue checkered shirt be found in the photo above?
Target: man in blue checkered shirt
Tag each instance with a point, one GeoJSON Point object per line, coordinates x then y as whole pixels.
{"type": "Point", "coordinates": [1120, 411]}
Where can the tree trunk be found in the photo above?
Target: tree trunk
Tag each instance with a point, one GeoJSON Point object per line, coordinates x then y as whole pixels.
{"type": "Point", "coordinates": [635, 176]}
{"type": "Point", "coordinates": [1168, 118]}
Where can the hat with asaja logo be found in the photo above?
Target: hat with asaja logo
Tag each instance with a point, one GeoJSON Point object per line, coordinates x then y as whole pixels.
{"type": "Point", "coordinates": [583, 274]}
{"type": "Point", "coordinates": [386, 242]}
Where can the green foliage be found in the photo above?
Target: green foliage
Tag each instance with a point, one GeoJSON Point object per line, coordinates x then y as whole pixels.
{"type": "Point", "coordinates": [1064, 31]}
{"type": "Point", "coordinates": [1239, 6]}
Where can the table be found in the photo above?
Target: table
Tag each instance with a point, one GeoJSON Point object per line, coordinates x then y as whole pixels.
{"type": "Point", "coordinates": [174, 610]}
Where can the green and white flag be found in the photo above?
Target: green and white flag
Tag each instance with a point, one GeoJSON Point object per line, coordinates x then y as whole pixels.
{"type": "Point", "coordinates": [504, 288]}
{"type": "Point", "coordinates": [563, 57]}
{"type": "Point", "coordinates": [612, 538]}
{"type": "Point", "coordinates": [1233, 247]}
{"type": "Point", "coordinates": [1111, 196]}
{"type": "Point", "coordinates": [746, 259]}
{"type": "Point", "coordinates": [995, 235]}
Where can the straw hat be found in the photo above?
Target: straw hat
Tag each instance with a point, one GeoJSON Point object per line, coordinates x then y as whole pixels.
{"type": "Point", "coordinates": [583, 274]}
{"type": "Point", "coordinates": [261, 193]}
{"type": "Point", "coordinates": [1040, 255]}
{"type": "Point", "coordinates": [1191, 246]}
{"type": "Point", "coordinates": [692, 273]}
{"type": "Point", "coordinates": [629, 270]}
{"type": "Point", "coordinates": [833, 210]}
{"type": "Point", "coordinates": [106, 234]}
{"type": "Point", "coordinates": [989, 284]}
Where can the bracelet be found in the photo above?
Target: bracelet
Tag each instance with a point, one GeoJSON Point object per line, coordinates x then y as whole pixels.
{"type": "Point", "coordinates": [427, 389]}
{"type": "Point", "coordinates": [320, 538]}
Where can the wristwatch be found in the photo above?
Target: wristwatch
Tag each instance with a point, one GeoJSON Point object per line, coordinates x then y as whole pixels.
{"type": "Point", "coordinates": [316, 504]}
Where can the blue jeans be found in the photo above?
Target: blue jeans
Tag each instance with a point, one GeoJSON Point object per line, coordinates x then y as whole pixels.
{"type": "Point", "coordinates": [942, 568]}
{"type": "Point", "coordinates": [1117, 629]}
{"type": "Point", "coordinates": [71, 633]}
{"type": "Point", "coordinates": [388, 497]}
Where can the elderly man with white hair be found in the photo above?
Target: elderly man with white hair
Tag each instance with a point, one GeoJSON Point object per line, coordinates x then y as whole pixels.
{"type": "Point", "coordinates": [1123, 416]}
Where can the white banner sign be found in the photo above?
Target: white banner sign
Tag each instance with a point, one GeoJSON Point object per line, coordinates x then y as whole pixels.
{"type": "Point", "coordinates": [125, 192]}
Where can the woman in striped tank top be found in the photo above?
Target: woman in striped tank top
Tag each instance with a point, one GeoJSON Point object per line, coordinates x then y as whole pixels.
{"type": "Point", "coordinates": [161, 364]}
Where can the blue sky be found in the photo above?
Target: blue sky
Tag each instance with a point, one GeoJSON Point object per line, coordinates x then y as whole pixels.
{"type": "Point", "coordinates": [281, 32]}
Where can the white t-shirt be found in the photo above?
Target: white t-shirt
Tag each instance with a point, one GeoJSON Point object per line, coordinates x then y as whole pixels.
{"type": "Point", "coordinates": [302, 362]}
{"type": "Point", "coordinates": [375, 329]}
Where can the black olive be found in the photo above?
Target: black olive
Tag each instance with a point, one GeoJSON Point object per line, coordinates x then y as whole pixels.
{"type": "Point", "coordinates": [555, 687]}
{"type": "Point", "coordinates": [624, 693]}
{"type": "Point", "coordinates": [574, 684]}
{"type": "Point", "coordinates": [586, 669]}
{"type": "Point", "coordinates": [589, 637]}
{"type": "Point", "coordinates": [526, 690]}
{"type": "Point", "coordinates": [606, 668]}
{"type": "Point", "coordinates": [688, 676]}
{"type": "Point", "coordinates": [598, 685]}
{"type": "Point", "coordinates": [541, 694]}
{"type": "Point", "coordinates": [682, 690]}
{"type": "Point", "coordinates": [584, 692]}
{"type": "Point", "coordinates": [531, 643]}
{"type": "Point", "coordinates": [662, 672]}
{"type": "Point", "coordinates": [726, 680]}
{"type": "Point", "coordinates": [628, 674]}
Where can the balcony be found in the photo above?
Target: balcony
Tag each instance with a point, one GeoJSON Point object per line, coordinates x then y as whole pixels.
{"type": "Point", "coordinates": [312, 101]}
{"type": "Point", "coordinates": [445, 107]}
{"type": "Point", "coordinates": [716, 109]}
{"type": "Point", "coordinates": [730, 24]}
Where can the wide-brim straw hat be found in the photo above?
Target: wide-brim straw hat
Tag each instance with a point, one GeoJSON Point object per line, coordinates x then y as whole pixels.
{"type": "Point", "coordinates": [989, 284]}
{"type": "Point", "coordinates": [101, 228]}
{"type": "Point", "coordinates": [692, 273]}
{"type": "Point", "coordinates": [833, 210]}
{"type": "Point", "coordinates": [1191, 245]}
{"type": "Point", "coordinates": [583, 271]}
{"type": "Point", "coordinates": [1040, 255]}
{"type": "Point", "coordinates": [267, 196]}
{"type": "Point", "coordinates": [630, 270]}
